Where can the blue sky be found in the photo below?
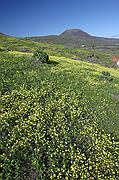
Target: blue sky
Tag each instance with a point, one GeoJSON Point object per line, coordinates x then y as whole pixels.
{"type": "Point", "coordinates": [44, 17]}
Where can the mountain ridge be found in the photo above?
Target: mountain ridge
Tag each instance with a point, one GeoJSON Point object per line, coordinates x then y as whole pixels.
{"type": "Point", "coordinates": [76, 38]}
{"type": "Point", "coordinates": [115, 36]}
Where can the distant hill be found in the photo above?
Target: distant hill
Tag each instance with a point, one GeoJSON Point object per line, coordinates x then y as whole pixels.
{"type": "Point", "coordinates": [116, 36]}
{"type": "Point", "coordinates": [77, 38]}
{"type": "Point", "coordinates": [75, 32]}
{"type": "Point", "coordinates": [3, 34]}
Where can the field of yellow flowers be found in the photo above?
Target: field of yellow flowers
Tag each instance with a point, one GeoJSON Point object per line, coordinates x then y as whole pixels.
{"type": "Point", "coordinates": [58, 120]}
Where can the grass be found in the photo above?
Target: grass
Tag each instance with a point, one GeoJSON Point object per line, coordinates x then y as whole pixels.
{"type": "Point", "coordinates": [58, 120]}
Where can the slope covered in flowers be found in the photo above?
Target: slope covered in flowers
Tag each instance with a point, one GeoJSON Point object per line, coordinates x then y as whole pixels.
{"type": "Point", "coordinates": [58, 120]}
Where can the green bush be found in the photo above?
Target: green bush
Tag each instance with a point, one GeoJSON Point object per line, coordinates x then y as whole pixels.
{"type": "Point", "coordinates": [106, 76]}
{"type": "Point", "coordinates": [41, 56]}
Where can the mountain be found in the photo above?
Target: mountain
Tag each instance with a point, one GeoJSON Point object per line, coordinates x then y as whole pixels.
{"type": "Point", "coordinates": [1, 33]}
{"type": "Point", "coordinates": [75, 32]}
{"type": "Point", "coordinates": [116, 36]}
{"type": "Point", "coordinates": [77, 38]}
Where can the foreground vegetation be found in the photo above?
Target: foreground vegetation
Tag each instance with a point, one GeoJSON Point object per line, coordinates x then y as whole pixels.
{"type": "Point", "coordinates": [58, 120]}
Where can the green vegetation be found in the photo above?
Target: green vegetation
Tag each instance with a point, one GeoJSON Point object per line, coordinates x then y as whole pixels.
{"type": "Point", "coordinates": [40, 56]}
{"type": "Point", "coordinates": [106, 76]}
{"type": "Point", "coordinates": [59, 120]}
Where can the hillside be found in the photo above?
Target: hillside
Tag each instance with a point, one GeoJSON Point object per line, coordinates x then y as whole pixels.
{"type": "Point", "coordinates": [58, 120]}
{"type": "Point", "coordinates": [102, 55]}
{"type": "Point", "coordinates": [77, 38]}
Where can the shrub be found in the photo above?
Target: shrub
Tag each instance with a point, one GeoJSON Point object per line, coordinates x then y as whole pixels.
{"type": "Point", "coordinates": [2, 49]}
{"type": "Point", "coordinates": [41, 56]}
{"type": "Point", "coordinates": [106, 76]}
